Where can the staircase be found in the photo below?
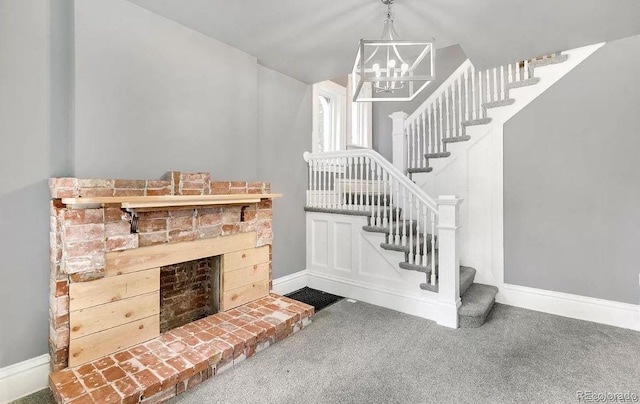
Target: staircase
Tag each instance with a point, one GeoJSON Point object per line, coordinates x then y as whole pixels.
{"type": "Point", "coordinates": [418, 231]}
{"type": "Point", "coordinates": [418, 234]}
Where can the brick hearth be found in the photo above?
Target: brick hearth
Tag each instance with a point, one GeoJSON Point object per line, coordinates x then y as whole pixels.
{"type": "Point", "coordinates": [182, 358]}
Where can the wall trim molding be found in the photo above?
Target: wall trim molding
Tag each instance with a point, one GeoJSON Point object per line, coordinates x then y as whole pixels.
{"type": "Point", "coordinates": [290, 283]}
{"type": "Point", "coordinates": [602, 311]}
{"type": "Point", "coordinates": [23, 378]}
{"type": "Point", "coordinates": [421, 306]}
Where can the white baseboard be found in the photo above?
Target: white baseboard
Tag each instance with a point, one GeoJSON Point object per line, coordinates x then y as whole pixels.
{"type": "Point", "coordinates": [290, 283]}
{"type": "Point", "coordinates": [24, 378]}
{"type": "Point", "coordinates": [421, 306]}
{"type": "Point", "coordinates": [602, 311]}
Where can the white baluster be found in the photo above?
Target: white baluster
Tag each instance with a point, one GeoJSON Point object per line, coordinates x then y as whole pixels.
{"type": "Point", "coordinates": [501, 82]}
{"type": "Point", "coordinates": [432, 141]}
{"type": "Point", "coordinates": [526, 69]}
{"type": "Point", "coordinates": [447, 108]}
{"type": "Point", "coordinates": [453, 111]}
{"type": "Point", "coordinates": [466, 96]}
{"type": "Point", "coordinates": [344, 162]}
{"type": "Point", "coordinates": [359, 184]}
{"type": "Point", "coordinates": [309, 163]}
{"type": "Point", "coordinates": [403, 236]}
{"type": "Point", "coordinates": [425, 145]}
{"type": "Point", "coordinates": [495, 84]}
{"type": "Point", "coordinates": [378, 220]}
{"type": "Point", "coordinates": [433, 248]}
{"type": "Point", "coordinates": [397, 214]}
{"type": "Point", "coordinates": [424, 255]}
{"type": "Point", "coordinates": [517, 71]}
{"type": "Point", "coordinates": [390, 205]}
{"type": "Point", "coordinates": [412, 252]}
{"type": "Point", "coordinates": [473, 93]}
{"type": "Point", "coordinates": [480, 94]}
{"type": "Point", "coordinates": [441, 117]}
{"type": "Point", "coordinates": [460, 111]}
{"type": "Point", "coordinates": [489, 91]}
{"type": "Point", "coordinates": [510, 78]}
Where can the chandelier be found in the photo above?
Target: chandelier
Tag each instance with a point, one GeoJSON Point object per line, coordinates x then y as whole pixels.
{"type": "Point", "coordinates": [390, 69]}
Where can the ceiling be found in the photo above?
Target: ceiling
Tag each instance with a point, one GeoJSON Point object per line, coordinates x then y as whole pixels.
{"type": "Point", "coordinates": [314, 40]}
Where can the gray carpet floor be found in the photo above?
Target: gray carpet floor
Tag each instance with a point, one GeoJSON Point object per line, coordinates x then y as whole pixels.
{"type": "Point", "coordinates": [359, 353]}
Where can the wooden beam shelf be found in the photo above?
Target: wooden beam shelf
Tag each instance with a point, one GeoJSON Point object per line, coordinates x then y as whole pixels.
{"type": "Point", "coordinates": [166, 201]}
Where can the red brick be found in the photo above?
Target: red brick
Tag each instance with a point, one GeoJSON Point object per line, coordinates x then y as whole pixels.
{"type": "Point", "coordinates": [228, 229]}
{"type": "Point", "coordinates": [209, 231]}
{"type": "Point", "coordinates": [119, 243]}
{"type": "Point", "coordinates": [131, 366]}
{"type": "Point", "coordinates": [248, 338]}
{"type": "Point", "coordinates": [62, 377]}
{"type": "Point", "coordinates": [62, 182]}
{"type": "Point", "coordinates": [59, 288]}
{"type": "Point", "coordinates": [176, 236]}
{"type": "Point", "coordinates": [148, 381]}
{"type": "Point", "coordinates": [195, 177]}
{"type": "Point", "coordinates": [83, 232]}
{"type": "Point", "coordinates": [103, 363]}
{"type": "Point", "coordinates": [93, 380]}
{"type": "Point", "coordinates": [168, 375]}
{"type": "Point", "coordinates": [210, 352]}
{"type": "Point", "coordinates": [147, 239]}
{"type": "Point", "coordinates": [219, 188]}
{"type": "Point", "coordinates": [95, 183]}
{"type": "Point", "coordinates": [192, 192]}
{"type": "Point", "coordinates": [120, 228]}
{"type": "Point", "coordinates": [128, 388]}
{"type": "Point", "coordinates": [71, 390]}
{"type": "Point", "coordinates": [122, 356]}
{"type": "Point", "coordinates": [83, 216]}
{"type": "Point", "coordinates": [210, 219]}
{"type": "Point", "coordinates": [199, 185]}
{"type": "Point", "coordinates": [158, 192]}
{"type": "Point", "coordinates": [89, 275]}
{"type": "Point", "coordinates": [181, 223]}
{"type": "Point", "coordinates": [182, 366]}
{"type": "Point", "coordinates": [138, 184]}
{"type": "Point", "coordinates": [224, 347]}
{"type": "Point", "coordinates": [198, 361]}
{"type": "Point", "coordinates": [158, 214]}
{"type": "Point", "coordinates": [75, 249]}
{"type": "Point", "coordinates": [113, 373]}
{"type": "Point", "coordinates": [95, 192]}
{"type": "Point", "coordinates": [129, 192]}
{"type": "Point", "coordinates": [115, 215]}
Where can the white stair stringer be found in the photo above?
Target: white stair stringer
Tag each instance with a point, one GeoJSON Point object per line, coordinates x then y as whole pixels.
{"type": "Point", "coordinates": [474, 172]}
{"type": "Point", "coordinates": [345, 260]}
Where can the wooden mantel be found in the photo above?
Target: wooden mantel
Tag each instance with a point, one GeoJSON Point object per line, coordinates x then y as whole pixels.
{"type": "Point", "coordinates": [166, 201]}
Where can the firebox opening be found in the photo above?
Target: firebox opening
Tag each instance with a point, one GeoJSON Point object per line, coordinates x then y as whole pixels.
{"type": "Point", "coordinates": [189, 291]}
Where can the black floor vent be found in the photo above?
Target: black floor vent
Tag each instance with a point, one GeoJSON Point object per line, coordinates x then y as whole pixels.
{"type": "Point", "coordinates": [315, 298]}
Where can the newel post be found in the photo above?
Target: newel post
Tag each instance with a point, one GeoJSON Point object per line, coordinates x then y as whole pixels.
{"type": "Point", "coordinates": [449, 260]}
{"type": "Point", "coordinates": [399, 137]}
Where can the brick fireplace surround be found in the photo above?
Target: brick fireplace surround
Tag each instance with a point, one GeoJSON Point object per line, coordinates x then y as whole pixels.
{"type": "Point", "coordinates": [155, 367]}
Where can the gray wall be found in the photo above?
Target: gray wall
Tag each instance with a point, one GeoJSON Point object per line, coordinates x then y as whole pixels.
{"type": "Point", "coordinates": [447, 61]}
{"type": "Point", "coordinates": [144, 96]}
{"type": "Point", "coordinates": [284, 133]}
{"type": "Point", "coordinates": [34, 130]}
{"type": "Point", "coordinates": [153, 95]}
{"type": "Point", "coordinates": [571, 181]}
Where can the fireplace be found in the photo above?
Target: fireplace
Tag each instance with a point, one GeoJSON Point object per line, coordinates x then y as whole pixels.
{"type": "Point", "coordinates": [108, 236]}
{"type": "Point", "coordinates": [157, 285]}
{"type": "Point", "coordinates": [189, 291]}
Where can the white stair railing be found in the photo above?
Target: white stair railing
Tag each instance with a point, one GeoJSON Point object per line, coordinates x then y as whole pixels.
{"type": "Point", "coordinates": [459, 99]}
{"type": "Point", "coordinates": [363, 182]}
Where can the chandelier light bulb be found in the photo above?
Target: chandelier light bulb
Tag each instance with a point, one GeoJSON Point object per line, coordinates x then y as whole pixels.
{"type": "Point", "coordinates": [404, 68]}
{"type": "Point", "coordinates": [392, 63]}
